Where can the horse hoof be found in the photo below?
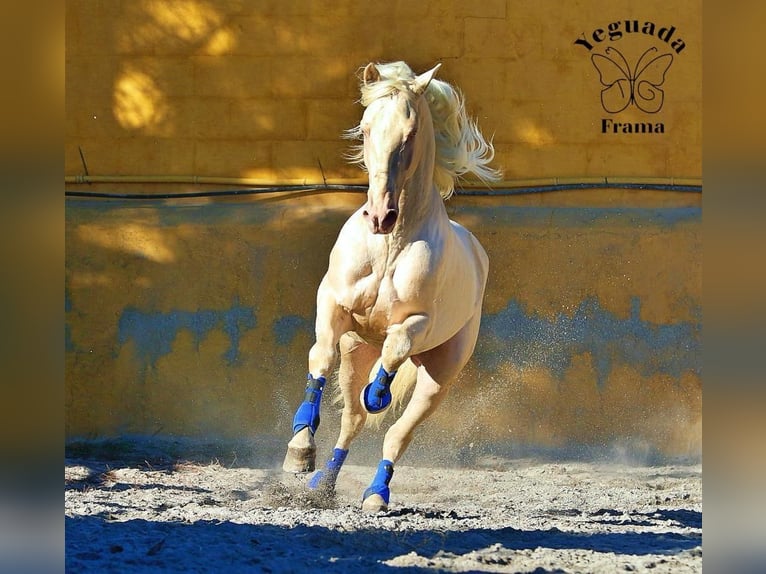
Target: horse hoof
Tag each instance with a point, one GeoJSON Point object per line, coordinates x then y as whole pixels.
{"type": "Point", "coordinates": [301, 452]}
{"type": "Point", "coordinates": [374, 503]}
{"type": "Point", "coordinates": [299, 460]}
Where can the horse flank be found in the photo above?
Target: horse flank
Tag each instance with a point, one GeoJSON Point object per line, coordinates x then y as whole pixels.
{"type": "Point", "coordinates": [460, 146]}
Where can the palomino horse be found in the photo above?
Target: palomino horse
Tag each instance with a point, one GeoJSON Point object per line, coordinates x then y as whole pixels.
{"type": "Point", "coordinates": [404, 281]}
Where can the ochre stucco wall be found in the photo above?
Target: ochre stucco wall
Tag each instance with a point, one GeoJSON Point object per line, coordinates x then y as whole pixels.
{"type": "Point", "coordinates": [196, 320]}
{"type": "Point", "coordinates": [264, 89]}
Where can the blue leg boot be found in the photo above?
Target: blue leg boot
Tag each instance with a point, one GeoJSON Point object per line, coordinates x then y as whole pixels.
{"type": "Point", "coordinates": [324, 480]}
{"type": "Point", "coordinates": [301, 450]}
{"type": "Point", "coordinates": [307, 414]}
{"type": "Point", "coordinates": [375, 498]}
{"type": "Point", "coordinates": [376, 396]}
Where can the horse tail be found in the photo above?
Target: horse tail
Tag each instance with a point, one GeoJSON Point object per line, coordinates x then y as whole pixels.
{"type": "Point", "coordinates": [402, 384]}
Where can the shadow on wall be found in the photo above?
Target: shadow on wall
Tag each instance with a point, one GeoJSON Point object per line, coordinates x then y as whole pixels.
{"type": "Point", "coordinates": [215, 302]}
{"type": "Point", "coordinates": [181, 87]}
{"type": "Point", "coordinates": [196, 320]}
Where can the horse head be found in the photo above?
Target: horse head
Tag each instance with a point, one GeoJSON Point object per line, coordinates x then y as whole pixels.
{"type": "Point", "coordinates": [393, 134]}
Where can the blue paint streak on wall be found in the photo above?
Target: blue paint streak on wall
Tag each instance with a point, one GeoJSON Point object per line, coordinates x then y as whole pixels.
{"type": "Point", "coordinates": [286, 328]}
{"type": "Point", "coordinates": [153, 333]}
{"type": "Point", "coordinates": [532, 340]}
{"type": "Point", "coordinates": [236, 320]}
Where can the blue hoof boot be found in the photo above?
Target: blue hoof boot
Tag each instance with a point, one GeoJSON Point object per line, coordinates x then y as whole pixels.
{"type": "Point", "coordinates": [307, 414]}
{"type": "Point", "coordinates": [322, 480]}
{"type": "Point", "coordinates": [383, 491]}
{"type": "Point", "coordinates": [376, 396]}
{"type": "Point", "coordinates": [380, 483]}
{"type": "Point", "coordinates": [325, 479]}
{"type": "Point", "coordinates": [375, 400]}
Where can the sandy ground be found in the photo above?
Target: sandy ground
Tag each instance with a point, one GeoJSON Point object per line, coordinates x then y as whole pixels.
{"type": "Point", "coordinates": [516, 515]}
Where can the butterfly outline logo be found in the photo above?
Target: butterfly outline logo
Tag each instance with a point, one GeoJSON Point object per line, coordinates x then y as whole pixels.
{"type": "Point", "coordinates": [640, 87]}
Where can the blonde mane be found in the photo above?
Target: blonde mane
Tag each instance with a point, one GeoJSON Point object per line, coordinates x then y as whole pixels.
{"type": "Point", "coordinates": [460, 146]}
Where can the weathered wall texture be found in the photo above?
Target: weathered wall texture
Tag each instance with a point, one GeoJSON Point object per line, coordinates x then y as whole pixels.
{"type": "Point", "coordinates": [195, 318]}
{"type": "Point", "coordinates": [263, 89]}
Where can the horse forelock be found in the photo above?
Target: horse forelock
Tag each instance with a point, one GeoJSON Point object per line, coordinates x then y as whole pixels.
{"type": "Point", "coordinates": [460, 146]}
{"type": "Point", "coordinates": [393, 77]}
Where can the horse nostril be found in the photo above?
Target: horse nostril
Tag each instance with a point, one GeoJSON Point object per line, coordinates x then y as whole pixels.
{"type": "Point", "coordinates": [389, 219]}
{"type": "Point", "coordinates": [366, 213]}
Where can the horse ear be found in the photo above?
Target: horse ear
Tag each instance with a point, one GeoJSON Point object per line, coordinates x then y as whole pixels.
{"type": "Point", "coordinates": [420, 83]}
{"type": "Point", "coordinates": [370, 74]}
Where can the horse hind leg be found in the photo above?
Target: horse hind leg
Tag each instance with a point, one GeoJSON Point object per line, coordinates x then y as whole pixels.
{"type": "Point", "coordinates": [437, 370]}
{"type": "Point", "coordinates": [426, 397]}
{"type": "Point", "coordinates": [375, 498]}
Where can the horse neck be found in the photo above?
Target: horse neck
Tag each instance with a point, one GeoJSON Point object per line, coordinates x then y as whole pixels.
{"type": "Point", "coordinates": [420, 203]}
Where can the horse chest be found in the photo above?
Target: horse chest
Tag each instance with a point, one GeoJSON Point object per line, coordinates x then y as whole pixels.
{"type": "Point", "coordinates": [372, 303]}
{"type": "Point", "coordinates": [377, 300]}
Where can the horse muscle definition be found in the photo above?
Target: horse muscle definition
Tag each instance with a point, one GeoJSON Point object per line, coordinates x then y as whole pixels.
{"type": "Point", "coordinates": [388, 305]}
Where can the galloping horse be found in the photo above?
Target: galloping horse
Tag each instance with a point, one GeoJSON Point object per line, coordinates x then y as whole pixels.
{"type": "Point", "coordinates": [405, 284]}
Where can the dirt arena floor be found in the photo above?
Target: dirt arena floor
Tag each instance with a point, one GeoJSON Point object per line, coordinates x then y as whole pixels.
{"type": "Point", "coordinates": [142, 512]}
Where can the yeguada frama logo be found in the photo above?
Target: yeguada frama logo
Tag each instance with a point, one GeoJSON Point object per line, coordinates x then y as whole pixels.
{"type": "Point", "coordinates": [632, 82]}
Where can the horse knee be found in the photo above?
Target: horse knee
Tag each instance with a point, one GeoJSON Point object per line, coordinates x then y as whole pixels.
{"type": "Point", "coordinates": [396, 348]}
{"type": "Point", "coordinates": [401, 339]}
{"type": "Point", "coordinates": [322, 359]}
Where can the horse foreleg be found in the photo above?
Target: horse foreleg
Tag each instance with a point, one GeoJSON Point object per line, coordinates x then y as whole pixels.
{"type": "Point", "coordinates": [375, 498]}
{"type": "Point", "coordinates": [357, 358]}
{"type": "Point", "coordinates": [437, 370]}
{"type": "Point", "coordinates": [301, 450]}
{"type": "Point", "coordinates": [399, 342]}
{"type": "Point", "coordinates": [426, 397]}
{"type": "Point", "coordinates": [332, 321]}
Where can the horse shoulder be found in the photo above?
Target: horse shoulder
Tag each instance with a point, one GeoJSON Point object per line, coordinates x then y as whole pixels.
{"type": "Point", "coordinates": [349, 255]}
{"type": "Point", "coordinates": [350, 274]}
{"type": "Point", "coordinates": [472, 248]}
{"type": "Point", "coordinates": [415, 270]}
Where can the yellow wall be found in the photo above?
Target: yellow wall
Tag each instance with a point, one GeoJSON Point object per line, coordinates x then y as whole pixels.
{"type": "Point", "coordinates": [264, 89]}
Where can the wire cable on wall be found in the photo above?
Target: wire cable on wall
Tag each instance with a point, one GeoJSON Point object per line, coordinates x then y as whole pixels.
{"type": "Point", "coordinates": [506, 189]}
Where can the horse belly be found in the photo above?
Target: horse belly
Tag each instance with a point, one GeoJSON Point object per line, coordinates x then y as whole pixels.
{"type": "Point", "coordinates": [371, 331]}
